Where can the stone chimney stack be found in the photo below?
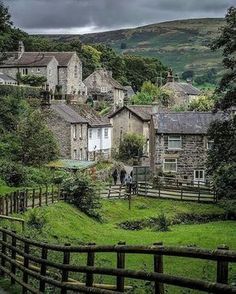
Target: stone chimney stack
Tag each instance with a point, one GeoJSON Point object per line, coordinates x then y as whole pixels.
{"type": "Point", "coordinates": [21, 49]}
{"type": "Point", "coordinates": [170, 77]}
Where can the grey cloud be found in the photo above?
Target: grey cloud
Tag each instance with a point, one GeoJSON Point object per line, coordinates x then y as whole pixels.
{"type": "Point", "coordinates": [40, 15]}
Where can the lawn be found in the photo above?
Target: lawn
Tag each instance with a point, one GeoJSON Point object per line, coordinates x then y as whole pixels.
{"type": "Point", "coordinates": [66, 224]}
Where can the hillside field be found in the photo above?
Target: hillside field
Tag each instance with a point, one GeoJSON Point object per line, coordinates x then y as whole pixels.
{"type": "Point", "coordinates": [66, 224]}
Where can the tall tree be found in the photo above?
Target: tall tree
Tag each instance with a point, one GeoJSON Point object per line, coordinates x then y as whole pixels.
{"type": "Point", "coordinates": [222, 157]}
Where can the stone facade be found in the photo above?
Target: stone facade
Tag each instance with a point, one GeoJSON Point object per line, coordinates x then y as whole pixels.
{"type": "Point", "coordinates": [79, 141]}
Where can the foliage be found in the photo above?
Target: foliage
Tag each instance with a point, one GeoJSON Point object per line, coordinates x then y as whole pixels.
{"type": "Point", "coordinates": [201, 103]}
{"type": "Point", "coordinates": [162, 223]}
{"type": "Point", "coordinates": [33, 80]}
{"type": "Point", "coordinates": [227, 41]}
{"type": "Point", "coordinates": [131, 146]}
{"type": "Point", "coordinates": [37, 144]}
{"type": "Point", "coordinates": [83, 191]}
{"type": "Point", "coordinates": [36, 219]}
{"type": "Point", "coordinates": [188, 74]}
{"type": "Point", "coordinates": [12, 173]}
{"type": "Point", "coordinates": [22, 92]}
{"type": "Point", "coordinates": [209, 77]}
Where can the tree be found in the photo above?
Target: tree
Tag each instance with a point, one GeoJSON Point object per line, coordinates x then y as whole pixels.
{"type": "Point", "coordinates": [36, 142]}
{"type": "Point", "coordinates": [222, 157]}
{"type": "Point", "coordinates": [131, 146]}
{"type": "Point", "coordinates": [201, 103]}
{"type": "Point", "coordinates": [188, 74]}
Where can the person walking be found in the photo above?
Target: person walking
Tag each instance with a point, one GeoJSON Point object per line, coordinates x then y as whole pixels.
{"type": "Point", "coordinates": [115, 176]}
{"type": "Point", "coordinates": [122, 176]}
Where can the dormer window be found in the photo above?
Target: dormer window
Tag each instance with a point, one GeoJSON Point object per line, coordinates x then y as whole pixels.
{"type": "Point", "coordinates": [174, 142]}
{"type": "Point", "coordinates": [103, 89]}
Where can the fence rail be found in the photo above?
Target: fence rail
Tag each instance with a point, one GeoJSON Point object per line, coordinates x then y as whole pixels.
{"type": "Point", "coordinates": [26, 261]}
{"type": "Point", "coordinates": [180, 192]}
{"type": "Point", "coordinates": [21, 200]}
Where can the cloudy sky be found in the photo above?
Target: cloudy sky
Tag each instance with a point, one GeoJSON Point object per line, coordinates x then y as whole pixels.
{"type": "Point", "coordinates": [84, 16]}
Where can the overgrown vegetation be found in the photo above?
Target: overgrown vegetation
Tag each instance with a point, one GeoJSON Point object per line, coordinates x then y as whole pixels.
{"type": "Point", "coordinates": [131, 146]}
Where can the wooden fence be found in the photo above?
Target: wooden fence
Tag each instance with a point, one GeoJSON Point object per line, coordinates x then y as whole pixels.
{"type": "Point", "coordinates": [28, 263]}
{"type": "Point", "coordinates": [198, 193]}
{"type": "Point", "coordinates": [21, 200]}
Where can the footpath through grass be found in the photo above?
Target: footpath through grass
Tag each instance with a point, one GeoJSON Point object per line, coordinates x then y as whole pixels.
{"type": "Point", "coordinates": [66, 224]}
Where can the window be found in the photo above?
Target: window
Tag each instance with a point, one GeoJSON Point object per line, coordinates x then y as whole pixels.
{"type": "Point", "coordinates": [210, 144]}
{"type": "Point", "coordinates": [38, 69]}
{"type": "Point", "coordinates": [49, 71]}
{"type": "Point", "coordinates": [170, 165]}
{"type": "Point", "coordinates": [90, 133]}
{"type": "Point", "coordinates": [74, 131]}
{"type": "Point", "coordinates": [81, 154]}
{"type": "Point", "coordinates": [76, 71]}
{"type": "Point", "coordinates": [103, 89]}
{"type": "Point", "coordinates": [99, 133]}
{"type": "Point", "coordinates": [199, 175]}
{"type": "Point", "coordinates": [75, 154]}
{"type": "Point", "coordinates": [174, 142]}
{"type": "Point", "coordinates": [25, 71]}
{"type": "Point", "coordinates": [81, 132]}
{"type": "Point", "coordinates": [106, 133]}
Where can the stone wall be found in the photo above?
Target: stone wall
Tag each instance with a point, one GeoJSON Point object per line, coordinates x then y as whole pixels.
{"type": "Point", "coordinates": [80, 143]}
{"type": "Point", "coordinates": [191, 157]}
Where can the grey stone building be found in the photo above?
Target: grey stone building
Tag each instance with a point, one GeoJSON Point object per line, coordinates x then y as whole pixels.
{"type": "Point", "coordinates": [60, 68]}
{"type": "Point", "coordinates": [102, 87]}
{"type": "Point", "coordinates": [179, 144]}
{"type": "Point", "coordinates": [70, 130]}
{"type": "Point", "coordinates": [131, 119]}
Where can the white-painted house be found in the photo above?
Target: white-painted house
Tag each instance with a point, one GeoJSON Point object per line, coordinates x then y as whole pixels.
{"type": "Point", "coordinates": [99, 132]}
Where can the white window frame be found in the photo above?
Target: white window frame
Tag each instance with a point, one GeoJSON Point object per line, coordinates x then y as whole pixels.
{"type": "Point", "coordinates": [175, 139]}
{"type": "Point", "coordinates": [208, 143]}
{"type": "Point", "coordinates": [25, 71]}
{"type": "Point", "coordinates": [74, 127]}
{"type": "Point", "coordinates": [75, 154]}
{"type": "Point", "coordinates": [98, 133]}
{"type": "Point", "coordinates": [81, 132]}
{"type": "Point", "coordinates": [103, 89]}
{"type": "Point", "coordinates": [199, 179]}
{"type": "Point", "coordinates": [90, 133]}
{"type": "Point", "coordinates": [174, 160]}
{"type": "Point", "coordinates": [106, 133]}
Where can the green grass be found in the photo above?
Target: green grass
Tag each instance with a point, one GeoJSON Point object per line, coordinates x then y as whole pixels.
{"type": "Point", "coordinates": [5, 189]}
{"type": "Point", "coordinates": [66, 224]}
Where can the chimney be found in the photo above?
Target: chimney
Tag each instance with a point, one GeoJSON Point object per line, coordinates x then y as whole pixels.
{"type": "Point", "coordinates": [109, 73]}
{"type": "Point", "coordinates": [21, 49]}
{"type": "Point", "coordinates": [170, 77]}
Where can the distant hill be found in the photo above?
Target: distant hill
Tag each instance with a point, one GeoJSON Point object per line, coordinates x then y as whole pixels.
{"type": "Point", "coordinates": [181, 44]}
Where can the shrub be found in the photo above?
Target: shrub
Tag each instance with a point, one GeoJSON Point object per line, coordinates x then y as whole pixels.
{"type": "Point", "coordinates": [14, 174]}
{"type": "Point", "coordinates": [36, 219]}
{"type": "Point", "coordinates": [82, 191]}
{"type": "Point", "coordinates": [131, 146]}
{"type": "Point", "coordinates": [162, 223]}
{"type": "Point", "coordinates": [21, 92]}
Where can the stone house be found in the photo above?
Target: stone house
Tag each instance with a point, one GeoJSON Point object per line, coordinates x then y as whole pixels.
{"type": "Point", "coordinates": [131, 119]}
{"type": "Point", "coordinates": [70, 130]}
{"type": "Point", "coordinates": [99, 132]}
{"type": "Point", "coordinates": [6, 80]}
{"type": "Point", "coordinates": [101, 86]}
{"type": "Point", "coordinates": [183, 93]}
{"type": "Point", "coordinates": [62, 69]}
{"type": "Point", "coordinates": [179, 144]}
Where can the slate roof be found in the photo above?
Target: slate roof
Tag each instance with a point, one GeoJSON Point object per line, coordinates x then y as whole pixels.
{"type": "Point", "coordinates": [31, 59]}
{"type": "Point", "coordinates": [92, 117]}
{"type": "Point", "coordinates": [186, 88]}
{"type": "Point", "coordinates": [6, 77]}
{"type": "Point", "coordinates": [143, 112]}
{"type": "Point", "coordinates": [67, 113]}
{"type": "Point", "coordinates": [183, 122]}
{"type": "Point", "coordinates": [129, 90]}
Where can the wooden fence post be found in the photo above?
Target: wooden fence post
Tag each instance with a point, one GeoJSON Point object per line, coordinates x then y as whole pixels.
{"type": "Point", "coordinates": [6, 201]}
{"type": "Point", "coordinates": [65, 273]}
{"type": "Point", "coordinates": [40, 197]}
{"type": "Point", "coordinates": [120, 281]}
{"type": "Point", "coordinates": [17, 201]}
{"type": "Point", "coordinates": [181, 193]}
{"type": "Point", "coordinates": [199, 193]}
{"type": "Point", "coordinates": [1, 206]}
{"type": "Point", "coordinates": [11, 203]}
{"type": "Point", "coordinates": [43, 269]}
{"type": "Point", "coordinates": [159, 190]}
{"type": "Point", "coordinates": [26, 265]}
{"type": "Point", "coordinates": [90, 262]}
{"type": "Point", "coordinates": [14, 202]}
{"type": "Point", "coordinates": [4, 250]}
{"type": "Point", "coordinates": [222, 268]}
{"type": "Point", "coordinates": [13, 256]}
{"type": "Point", "coordinates": [158, 267]}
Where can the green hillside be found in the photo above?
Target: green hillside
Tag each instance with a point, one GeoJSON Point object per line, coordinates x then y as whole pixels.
{"type": "Point", "coordinates": [181, 44]}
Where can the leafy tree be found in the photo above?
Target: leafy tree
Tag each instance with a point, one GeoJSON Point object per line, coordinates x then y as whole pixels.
{"type": "Point", "coordinates": [32, 80]}
{"type": "Point", "coordinates": [36, 142]}
{"type": "Point", "coordinates": [222, 156]}
{"type": "Point", "coordinates": [83, 193]}
{"type": "Point", "coordinates": [131, 146]}
{"type": "Point", "coordinates": [201, 103]}
{"type": "Point", "coordinates": [188, 74]}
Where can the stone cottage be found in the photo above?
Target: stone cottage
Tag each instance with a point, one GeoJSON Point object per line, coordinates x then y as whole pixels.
{"type": "Point", "coordinates": [101, 86]}
{"type": "Point", "coordinates": [99, 132]}
{"type": "Point", "coordinates": [70, 130]}
{"type": "Point", "coordinates": [131, 119]}
{"type": "Point", "coordinates": [182, 92]}
{"type": "Point", "coordinates": [179, 144]}
{"type": "Point", "coordinates": [63, 69]}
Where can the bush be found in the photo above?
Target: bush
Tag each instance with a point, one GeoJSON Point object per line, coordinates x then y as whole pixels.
{"type": "Point", "coordinates": [162, 223]}
{"type": "Point", "coordinates": [14, 174]}
{"type": "Point", "coordinates": [131, 146]}
{"type": "Point", "coordinates": [19, 91]}
{"type": "Point", "coordinates": [82, 191]}
{"type": "Point", "coordinates": [36, 219]}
